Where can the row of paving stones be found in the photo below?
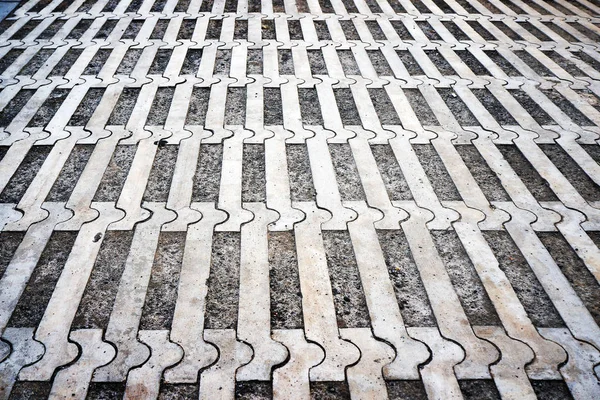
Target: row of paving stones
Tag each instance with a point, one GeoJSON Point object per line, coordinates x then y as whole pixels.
{"type": "Point", "coordinates": [558, 8]}
{"type": "Point", "coordinates": [376, 30]}
{"type": "Point", "coordinates": [372, 200]}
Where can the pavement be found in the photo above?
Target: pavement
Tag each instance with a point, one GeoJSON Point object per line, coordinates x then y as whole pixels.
{"type": "Point", "coordinates": [284, 199]}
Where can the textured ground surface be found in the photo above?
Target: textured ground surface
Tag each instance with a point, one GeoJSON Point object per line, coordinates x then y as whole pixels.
{"type": "Point", "coordinates": [300, 198]}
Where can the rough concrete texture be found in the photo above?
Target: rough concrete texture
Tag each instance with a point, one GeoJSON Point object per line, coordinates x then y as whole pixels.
{"type": "Point", "coordinates": [31, 390]}
{"type": "Point", "coordinates": [10, 57]}
{"type": "Point", "coordinates": [222, 63]}
{"type": "Point", "coordinates": [255, 62]}
{"type": "Point", "coordinates": [576, 176]}
{"type": "Point", "coordinates": [106, 391]}
{"type": "Point", "coordinates": [322, 31]}
{"type": "Point", "coordinates": [409, 62]}
{"type": "Point", "coordinates": [235, 110]}
{"type": "Point", "coordinates": [14, 106]}
{"type": "Point", "coordinates": [101, 290]}
{"type": "Point", "coordinates": [348, 296]}
{"type": "Point", "coordinates": [106, 29]}
{"type": "Point", "coordinates": [421, 107]}
{"type": "Point", "coordinates": [161, 174]}
{"type": "Point", "coordinates": [317, 62]}
{"type": "Point", "coordinates": [349, 30]}
{"type": "Point", "coordinates": [177, 391]}
{"type": "Point", "coordinates": [286, 296]}
{"type": "Point", "coordinates": [534, 64]}
{"type": "Point", "coordinates": [223, 282]}
{"type": "Point", "coordinates": [310, 106]}
{"type": "Point", "coordinates": [429, 32]}
{"type": "Point", "coordinates": [160, 62]}
{"type": "Point", "coordinates": [253, 173]}
{"type": "Point", "coordinates": [568, 108]}
{"type": "Point", "coordinates": [124, 107]}
{"type": "Point", "coordinates": [329, 390]}
{"type": "Point", "coordinates": [440, 62]}
{"type": "Point", "coordinates": [36, 62]}
{"type": "Point", "coordinates": [498, 111]}
{"type": "Point", "coordinates": [160, 28]}
{"type": "Point", "coordinates": [487, 180]}
{"type": "Point", "coordinates": [10, 242]}
{"type": "Point", "coordinates": [65, 64]}
{"type": "Point", "coordinates": [392, 176]}
{"type": "Point", "coordinates": [375, 30]}
{"type": "Point", "coordinates": [33, 301]}
{"type": "Point", "coordinates": [442, 184]}
{"type": "Point", "coordinates": [70, 173]}
{"type": "Point", "coordinates": [273, 114]}
{"type": "Point", "coordinates": [401, 30]}
{"type": "Point", "coordinates": [253, 390]}
{"type": "Point", "coordinates": [86, 108]}
{"type": "Point", "coordinates": [285, 61]}
{"type": "Point", "coordinates": [538, 187]}
{"type": "Point", "coordinates": [348, 61]}
{"type": "Point", "coordinates": [48, 108]}
{"type": "Point", "coordinates": [208, 176]}
{"type": "Point", "coordinates": [347, 107]}
{"type": "Point", "coordinates": [468, 286]}
{"type": "Point", "coordinates": [532, 107]}
{"type": "Point", "coordinates": [198, 106]}
{"type": "Point", "coordinates": [129, 61]}
{"type": "Point", "coordinates": [458, 33]}
{"type": "Point", "coordinates": [161, 105]}
{"type": "Point", "coordinates": [241, 30]}
{"type": "Point", "coordinates": [133, 29]}
{"type": "Point", "coordinates": [483, 389]}
{"type": "Point", "coordinates": [580, 278]}
{"type": "Point", "coordinates": [411, 295]}
{"type": "Point", "coordinates": [161, 295]}
{"type": "Point", "coordinates": [503, 63]}
{"type": "Point", "coordinates": [301, 182]}
{"type": "Point", "coordinates": [96, 64]}
{"type": "Point", "coordinates": [295, 30]}
{"type": "Point", "coordinates": [268, 29]}
{"type": "Point", "coordinates": [410, 390]}
{"type": "Point", "coordinates": [381, 100]}
{"type": "Point", "coordinates": [588, 95]}
{"type": "Point", "coordinates": [191, 63]}
{"type": "Point", "coordinates": [346, 172]}
{"type": "Point", "coordinates": [116, 173]}
{"type": "Point", "coordinates": [530, 292]}
{"type": "Point", "coordinates": [461, 112]}
{"type": "Point", "coordinates": [551, 390]}
{"type": "Point", "coordinates": [28, 169]}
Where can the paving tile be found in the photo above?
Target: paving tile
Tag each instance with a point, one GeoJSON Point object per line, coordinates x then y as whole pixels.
{"type": "Point", "coordinates": [299, 199]}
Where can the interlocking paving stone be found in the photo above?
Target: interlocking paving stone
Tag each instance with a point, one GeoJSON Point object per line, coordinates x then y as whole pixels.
{"type": "Point", "coordinates": [284, 199]}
